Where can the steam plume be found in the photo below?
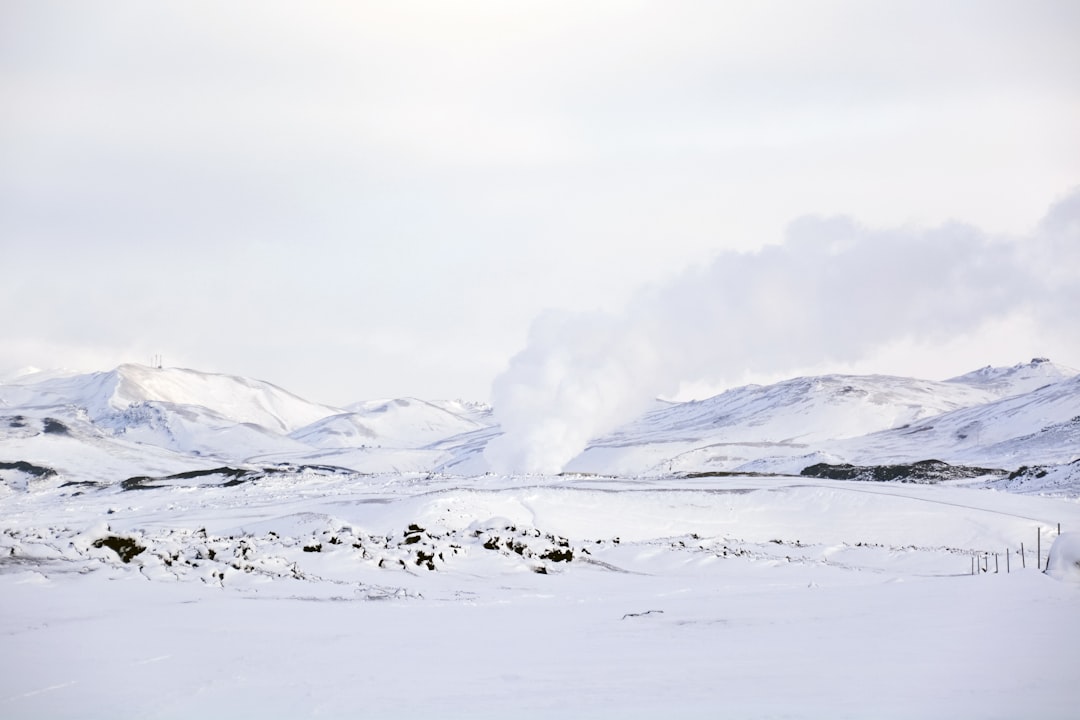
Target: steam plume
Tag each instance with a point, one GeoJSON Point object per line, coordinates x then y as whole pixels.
{"type": "Point", "coordinates": [832, 291]}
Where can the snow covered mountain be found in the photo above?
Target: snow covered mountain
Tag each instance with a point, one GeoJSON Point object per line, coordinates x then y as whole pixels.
{"type": "Point", "coordinates": [135, 420]}
{"type": "Point", "coordinates": [994, 417]}
{"type": "Point", "coordinates": [106, 426]}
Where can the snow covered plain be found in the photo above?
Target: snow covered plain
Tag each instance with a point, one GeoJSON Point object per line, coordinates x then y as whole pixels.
{"type": "Point", "coordinates": [314, 595]}
{"type": "Point", "coordinates": [169, 550]}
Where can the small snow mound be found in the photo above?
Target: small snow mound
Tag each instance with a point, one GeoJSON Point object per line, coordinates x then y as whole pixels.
{"type": "Point", "coordinates": [1064, 561]}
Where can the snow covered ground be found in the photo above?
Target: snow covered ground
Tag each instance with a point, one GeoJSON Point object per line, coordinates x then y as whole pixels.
{"type": "Point", "coordinates": [316, 594]}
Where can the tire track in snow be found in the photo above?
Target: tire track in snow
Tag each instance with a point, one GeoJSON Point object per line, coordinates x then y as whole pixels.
{"type": "Point", "coordinates": [929, 500]}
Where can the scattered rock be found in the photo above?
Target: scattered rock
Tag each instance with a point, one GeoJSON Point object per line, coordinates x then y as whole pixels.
{"type": "Point", "coordinates": [126, 548]}
{"type": "Point", "coordinates": [925, 472]}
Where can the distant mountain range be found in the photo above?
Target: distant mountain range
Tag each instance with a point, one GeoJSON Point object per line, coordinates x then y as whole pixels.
{"type": "Point", "coordinates": [106, 427]}
{"type": "Point", "coordinates": [1001, 417]}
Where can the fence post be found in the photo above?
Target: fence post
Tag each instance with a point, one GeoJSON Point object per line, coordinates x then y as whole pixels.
{"type": "Point", "coordinates": [995, 563]}
{"type": "Point", "coordinates": [1038, 548]}
{"type": "Point", "coordinates": [1007, 552]}
{"type": "Point", "coordinates": [1023, 557]}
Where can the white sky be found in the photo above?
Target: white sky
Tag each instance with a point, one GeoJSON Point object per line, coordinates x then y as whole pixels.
{"type": "Point", "coordinates": [358, 200]}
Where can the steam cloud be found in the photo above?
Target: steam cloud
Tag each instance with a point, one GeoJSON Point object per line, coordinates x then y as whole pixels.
{"type": "Point", "coordinates": [832, 291]}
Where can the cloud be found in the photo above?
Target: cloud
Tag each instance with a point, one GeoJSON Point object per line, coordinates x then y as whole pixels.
{"type": "Point", "coordinates": [833, 291]}
{"type": "Point", "coordinates": [205, 179]}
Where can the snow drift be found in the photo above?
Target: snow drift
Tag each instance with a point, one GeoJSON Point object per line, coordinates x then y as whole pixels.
{"type": "Point", "coordinates": [1064, 561]}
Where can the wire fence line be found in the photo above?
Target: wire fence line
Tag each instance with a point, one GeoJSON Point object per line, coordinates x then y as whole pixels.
{"type": "Point", "coordinates": [987, 561]}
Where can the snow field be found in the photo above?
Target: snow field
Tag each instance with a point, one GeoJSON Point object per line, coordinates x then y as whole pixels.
{"type": "Point", "coordinates": [307, 595]}
{"type": "Point", "coordinates": [599, 644]}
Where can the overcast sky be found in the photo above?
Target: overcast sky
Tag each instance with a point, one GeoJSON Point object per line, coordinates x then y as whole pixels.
{"type": "Point", "coordinates": [358, 200]}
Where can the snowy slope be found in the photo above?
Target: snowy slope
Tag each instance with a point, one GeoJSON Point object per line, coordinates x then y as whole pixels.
{"type": "Point", "coordinates": [196, 430]}
{"type": "Point", "coordinates": [197, 415]}
{"type": "Point", "coordinates": [1042, 480]}
{"type": "Point", "coordinates": [380, 436]}
{"type": "Point", "coordinates": [1041, 426]}
{"type": "Point", "coordinates": [787, 418]}
{"type": "Point", "coordinates": [238, 399]}
{"type": "Point", "coordinates": [79, 452]}
{"type": "Point", "coordinates": [400, 423]}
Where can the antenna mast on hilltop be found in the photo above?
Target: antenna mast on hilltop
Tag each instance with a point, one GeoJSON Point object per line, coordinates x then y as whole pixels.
{"type": "Point", "coordinates": [156, 361]}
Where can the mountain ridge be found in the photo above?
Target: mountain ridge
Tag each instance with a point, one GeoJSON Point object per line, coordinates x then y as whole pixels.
{"type": "Point", "coordinates": [175, 419]}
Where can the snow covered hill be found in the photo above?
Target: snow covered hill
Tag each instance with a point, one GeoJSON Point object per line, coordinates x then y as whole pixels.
{"type": "Point", "coordinates": [996, 417]}
{"type": "Point", "coordinates": [137, 420]}
{"type": "Point", "coordinates": [106, 394]}
{"type": "Point", "coordinates": [400, 423]}
{"type": "Point", "coordinates": [1041, 426]}
{"type": "Point", "coordinates": [751, 422]}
